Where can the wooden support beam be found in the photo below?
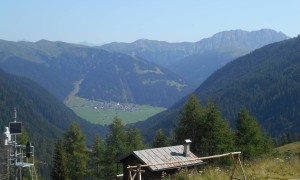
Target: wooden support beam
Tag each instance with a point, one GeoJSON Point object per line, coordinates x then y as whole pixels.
{"type": "Point", "coordinates": [190, 160]}
{"type": "Point", "coordinates": [138, 169]}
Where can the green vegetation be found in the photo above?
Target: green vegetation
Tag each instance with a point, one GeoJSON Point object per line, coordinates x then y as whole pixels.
{"type": "Point", "coordinates": [206, 128]}
{"type": "Point", "coordinates": [146, 71]}
{"type": "Point", "coordinates": [98, 74]}
{"type": "Point", "coordinates": [262, 169]}
{"type": "Point", "coordinates": [86, 109]}
{"type": "Point", "coordinates": [100, 162]}
{"type": "Point", "coordinates": [209, 132]}
{"type": "Point", "coordinates": [249, 138]}
{"type": "Point", "coordinates": [160, 139]}
{"type": "Point", "coordinates": [266, 82]}
{"type": "Point", "coordinates": [43, 117]}
{"type": "Point", "coordinates": [284, 164]}
{"type": "Point", "coordinates": [291, 148]}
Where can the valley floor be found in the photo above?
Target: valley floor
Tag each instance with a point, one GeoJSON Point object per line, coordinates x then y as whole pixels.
{"type": "Point", "coordinates": [103, 112]}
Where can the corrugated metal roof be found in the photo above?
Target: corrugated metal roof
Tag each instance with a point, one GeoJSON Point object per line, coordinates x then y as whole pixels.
{"type": "Point", "coordinates": [164, 155]}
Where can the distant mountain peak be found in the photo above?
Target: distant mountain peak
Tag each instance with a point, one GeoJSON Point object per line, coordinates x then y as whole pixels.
{"type": "Point", "coordinates": [242, 39]}
{"type": "Point", "coordinates": [166, 53]}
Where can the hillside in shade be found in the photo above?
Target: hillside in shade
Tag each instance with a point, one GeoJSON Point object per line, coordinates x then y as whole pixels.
{"type": "Point", "coordinates": [104, 76]}
{"type": "Point", "coordinates": [266, 82]}
{"type": "Point", "coordinates": [43, 116]}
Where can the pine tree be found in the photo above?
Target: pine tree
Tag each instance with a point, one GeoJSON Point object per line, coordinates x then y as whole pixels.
{"type": "Point", "coordinates": [59, 169]}
{"type": "Point", "coordinates": [190, 123]}
{"type": "Point", "coordinates": [249, 138]}
{"type": "Point", "coordinates": [97, 157]}
{"type": "Point", "coordinates": [116, 146]}
{"type": "Point", "coordinates": [209, 132]}
{"type": "Point", "coordinates": [160, 139]}
{"type": "Point", "coordinates": [76, 153]}
{"type": "Point", "coordinates": [135, 140]}
{"type": "Point", "coordinates": [216, 136]}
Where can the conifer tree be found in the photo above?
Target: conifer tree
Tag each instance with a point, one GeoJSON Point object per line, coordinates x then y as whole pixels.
{"type": "Point", "coordinates": [135, 140]}
{"type": "Point", "coordinates": [115, 146]}
{"type": "Point", "coordinates": [76, 153]}
{"type": "Point", "coordinates": [97, 157]}
{"type": "Point", "coordinates": [216, 136]}
{"type": "Point", "coordinates": [249, 138]}
{"type": "Point", "coordinates": [209, 132]}
{"type": "Point", "coordinates": [190, 123]}
{"type": "Point", "coordinates": [59, 169]}
{"type": "Point", "coordinates": [160, 139]}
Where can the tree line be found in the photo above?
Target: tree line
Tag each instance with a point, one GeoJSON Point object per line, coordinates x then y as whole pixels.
{"type": "Point", "coordinates": [204, 125]}
{"type": "Point", "coordinates": [72, 160]}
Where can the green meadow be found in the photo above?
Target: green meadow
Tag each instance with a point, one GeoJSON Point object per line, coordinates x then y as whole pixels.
{"type": "Point", "coordinates": [89, 110]}
{"type": "Point", "coordinates": [283, 164]}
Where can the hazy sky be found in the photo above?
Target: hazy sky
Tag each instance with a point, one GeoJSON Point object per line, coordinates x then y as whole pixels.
{"type": "Point", "coordinates": [103, 21]}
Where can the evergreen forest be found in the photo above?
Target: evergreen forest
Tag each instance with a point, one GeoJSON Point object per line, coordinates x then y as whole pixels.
{"type": "Point", "coordinates": [208, 130]}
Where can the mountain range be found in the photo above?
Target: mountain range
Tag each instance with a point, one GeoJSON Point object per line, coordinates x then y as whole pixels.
{"type": "Point", "coordinates": [134, 78]}
{"type": "Point", "coordinates": [103, 76]}
{"type": "Point", "coordinates": [265, 81]}
{"type": "Point", "coordinates": [195, 61]}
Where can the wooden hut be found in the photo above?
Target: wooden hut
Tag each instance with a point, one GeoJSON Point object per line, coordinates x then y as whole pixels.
{"type": "Point", "coordinates": [174, 157]}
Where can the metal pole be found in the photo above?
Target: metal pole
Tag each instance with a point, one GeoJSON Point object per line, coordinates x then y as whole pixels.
{"type": "Point", "coordinates": [8, 159]}
{"type": "Point", "coordinates": [15, 157]}
{"type": "Point", "coordinates": [15, 146]}
{"type": "Point", "coordinates": [21, 160]}
{"type": "Point", "coordinates": [20, 173]}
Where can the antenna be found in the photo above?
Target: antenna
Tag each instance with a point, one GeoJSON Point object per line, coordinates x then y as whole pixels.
{"type": "Point", "coordinates": [15, 114]}
{"type": "Point", "coordinates": [20, 156]}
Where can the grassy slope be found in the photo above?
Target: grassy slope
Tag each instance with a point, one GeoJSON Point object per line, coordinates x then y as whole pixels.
{"type": "Point", "coordinates": [262, 169]}
{"type": "Point", "coordinates": [293, 148]}
{"type": "Point", "coordinates": [83, 108]}
{"type": "Point", "coordinates": [281, 167]}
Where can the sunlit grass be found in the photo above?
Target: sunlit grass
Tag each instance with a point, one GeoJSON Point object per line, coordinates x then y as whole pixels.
{"type": "Point", "coordinates": [84, 108]}
{"type": "Point", "coordinates": [262, 169]}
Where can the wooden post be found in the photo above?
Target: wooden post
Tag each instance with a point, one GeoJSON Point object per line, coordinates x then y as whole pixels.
{"type": "Point", "coordinates": [234, 166]}
{"type": "Point", "coordinates": [242, 167]}
{"type": "Point", "coordinates": [139, 172]}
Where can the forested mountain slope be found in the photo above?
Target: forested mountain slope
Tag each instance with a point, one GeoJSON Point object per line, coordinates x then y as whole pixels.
{"type": "Point", "coordinates": [43, 116]}
{"type": "Point", "coordinates": [266, 81]}
{"type": "Point", "coordinates": [103, 75]}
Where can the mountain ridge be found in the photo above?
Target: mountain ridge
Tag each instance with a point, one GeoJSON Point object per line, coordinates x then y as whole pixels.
{"type": "Point", "coordinates": [217, 41]}
{"type": "Point", "coordinates": [57, 65]}
{"type": "Point", "coordinates": [265, 81]}
{"type": "Point", "coordinates": [195, 61]}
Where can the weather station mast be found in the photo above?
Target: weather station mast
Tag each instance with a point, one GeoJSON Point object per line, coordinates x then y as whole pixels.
{"type": "Point", "coordinates": [18, 156]}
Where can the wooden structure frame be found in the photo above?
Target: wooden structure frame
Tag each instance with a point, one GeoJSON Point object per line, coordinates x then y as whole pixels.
{"type": "Point", "coordinates": [137, 170]}
{"type": "Point", "coordinates": [163, 160]}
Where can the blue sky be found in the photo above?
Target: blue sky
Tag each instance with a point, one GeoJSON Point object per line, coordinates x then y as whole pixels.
{"type": "Point", "coordinates": [104, 21]}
